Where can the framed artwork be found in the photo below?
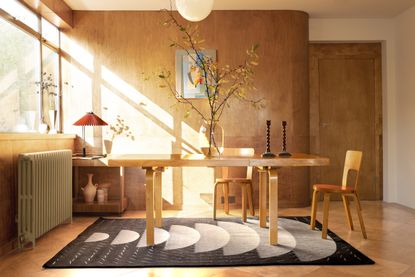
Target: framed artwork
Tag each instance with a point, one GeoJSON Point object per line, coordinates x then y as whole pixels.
{"type": "Point", "coordinates": [188, 73]}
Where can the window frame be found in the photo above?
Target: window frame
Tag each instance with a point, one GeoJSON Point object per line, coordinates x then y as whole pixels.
{"type": "Point", "coordinates": [43, 42]}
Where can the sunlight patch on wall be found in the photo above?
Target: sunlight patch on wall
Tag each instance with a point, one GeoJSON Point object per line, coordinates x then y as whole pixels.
{"type": "Point", "coordinates": [77, 94]}
{"type": "Point", "coordinates": [149, 137]}
{"type": "Point", "coordinates": [77, 53]}
{"type": "Point", "coordinates": [136, 97]}
{"type": "Point", "coordinates": [191, 138]}
{"type": "Point", "coordinates": [186, 149]}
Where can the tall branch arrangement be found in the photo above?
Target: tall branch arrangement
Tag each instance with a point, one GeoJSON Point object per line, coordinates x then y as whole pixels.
{"type": "Point", "coordinates": [220, 83]}
{"type": "Point", "coordinates": [47, 87]}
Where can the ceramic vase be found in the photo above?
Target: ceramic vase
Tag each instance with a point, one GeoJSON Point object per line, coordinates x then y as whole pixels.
{"type": "Point", "coordinates": [108, 146]}
{"type": "Point", "coordinates": [89, 190]}
{"type": "Point", "coordinates": [52, 118]}
{"type": "Point", "coordinates": [43, 128]}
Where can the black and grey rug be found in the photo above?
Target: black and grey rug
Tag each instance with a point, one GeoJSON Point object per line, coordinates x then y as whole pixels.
{"type": "Point", "coordinates": [203, 242]}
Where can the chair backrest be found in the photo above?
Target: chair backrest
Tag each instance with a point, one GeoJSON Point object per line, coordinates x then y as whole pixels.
{"type": "Point", "coordinates": [244, 152]}
{"type": "Point", "coordinates": [352, 162]}
{"type": "Point", "coordinates": [238, 172]}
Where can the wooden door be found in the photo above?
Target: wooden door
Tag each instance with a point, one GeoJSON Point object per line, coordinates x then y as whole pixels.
{"type": "Point", "coordinates": [346, 111]}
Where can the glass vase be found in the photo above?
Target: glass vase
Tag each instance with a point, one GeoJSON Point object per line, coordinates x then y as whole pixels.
{"type": "Point", "coordinates": [211, 138]}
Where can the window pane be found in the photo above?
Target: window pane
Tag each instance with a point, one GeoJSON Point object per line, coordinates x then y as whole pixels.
{"type": "Point", "coordinates": [21, 13]}
{"type": "Point", "coordinates": [19, 72]}
{"type": "Point", "coordinates": [50, 32]}
{"type": "Point", "coordinates": [50, 76]}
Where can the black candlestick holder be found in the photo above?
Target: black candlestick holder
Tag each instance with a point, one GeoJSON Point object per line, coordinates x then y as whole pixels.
{"type": "Point", "coordinates": [284, 152]}
{"type": "Point", "coordinates": [268, 153]}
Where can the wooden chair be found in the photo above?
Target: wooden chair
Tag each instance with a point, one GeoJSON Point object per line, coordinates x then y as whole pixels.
{"type": "Point", "coordinates": [352, 162]}
{"type": "Point", "coordinates": [245, 182]}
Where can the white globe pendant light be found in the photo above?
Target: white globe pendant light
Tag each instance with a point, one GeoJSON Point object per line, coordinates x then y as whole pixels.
{"type": "Point", "coordinates": [194, 10]}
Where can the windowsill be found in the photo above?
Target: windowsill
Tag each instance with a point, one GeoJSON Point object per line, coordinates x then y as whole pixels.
{"type": "Point", "coordinates": [34, 136]}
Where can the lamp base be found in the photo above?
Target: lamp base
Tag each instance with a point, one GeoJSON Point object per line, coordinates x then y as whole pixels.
{"type": "Point", "coordinates": [268, 155]}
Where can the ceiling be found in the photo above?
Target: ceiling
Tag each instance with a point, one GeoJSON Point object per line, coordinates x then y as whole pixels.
{"type": "Point", "coordinates": [316, 8]}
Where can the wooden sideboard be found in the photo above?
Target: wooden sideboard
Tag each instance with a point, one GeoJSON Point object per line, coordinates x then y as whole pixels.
{"type": "Point", "coordinates": [112, 205]}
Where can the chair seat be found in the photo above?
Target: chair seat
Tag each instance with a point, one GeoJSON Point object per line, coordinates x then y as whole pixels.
{"type": "Point", "coordinates": [233, 180]}
{"type": "Point", "coordinates": [332, 188]}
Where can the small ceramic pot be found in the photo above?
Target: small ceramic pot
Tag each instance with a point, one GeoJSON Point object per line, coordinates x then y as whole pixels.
{"type": "Point", "coordinates": [101, 196]}
{"type": "Point", "coordinates": [105, 187]}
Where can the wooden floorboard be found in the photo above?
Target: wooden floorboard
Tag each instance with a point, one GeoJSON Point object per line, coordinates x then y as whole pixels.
{"type": "Point", "coordinates": [390, 230]}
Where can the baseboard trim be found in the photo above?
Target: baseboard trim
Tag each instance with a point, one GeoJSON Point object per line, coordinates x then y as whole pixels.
{"type": "Point", "coordinates": [8, 247]}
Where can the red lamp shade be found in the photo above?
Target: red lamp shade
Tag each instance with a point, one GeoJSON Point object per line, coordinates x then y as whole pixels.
{"type": "Point", "coordinates": [90, 119]}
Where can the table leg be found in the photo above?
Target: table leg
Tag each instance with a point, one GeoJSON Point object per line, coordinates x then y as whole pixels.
{"type": "Point", "coordinates": [76, 182]}
{"type": "Point", "coordinates": [244, 200]}
{"type": "Point", "coordinates": [122, 190]}
{"type": "Point", "coordinates": [158, 199]}
{"type": "Point", "coordinates": [262, 198]}
{"type": "Point", "coordinates": [150, 206]}
{"type": "Point", "coordinates": [273, 206]}
{"type": "Point", "coordinates": [225, 187]}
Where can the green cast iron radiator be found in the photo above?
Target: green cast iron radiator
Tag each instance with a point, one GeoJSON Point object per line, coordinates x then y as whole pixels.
{"type": "Point", "coordinates": [44, 193]}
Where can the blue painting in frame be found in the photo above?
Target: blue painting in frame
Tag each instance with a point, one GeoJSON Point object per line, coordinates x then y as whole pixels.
{"type": "Point", "coordinates": [187, 82]}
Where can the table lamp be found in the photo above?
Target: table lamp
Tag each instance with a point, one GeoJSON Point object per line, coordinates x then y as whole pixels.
{"type": "Point", "coordinates": [90, 119]}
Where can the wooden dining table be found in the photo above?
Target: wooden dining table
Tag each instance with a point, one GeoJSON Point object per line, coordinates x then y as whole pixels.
{"type": "Point", "coordinates": [154, 166]}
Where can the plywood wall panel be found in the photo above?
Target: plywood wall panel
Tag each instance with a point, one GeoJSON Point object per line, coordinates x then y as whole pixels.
{"type": "Point", "coordinates": [120, 48]}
